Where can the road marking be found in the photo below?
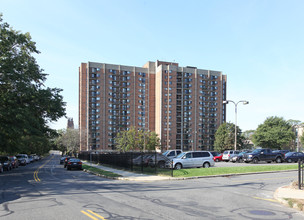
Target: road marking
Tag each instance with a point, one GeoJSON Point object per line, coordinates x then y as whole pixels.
{"type": "Point", "coordinates": [271, 200]}
{"type": "Point", "coordinates": [91, 216]}
{"type": "Point", "coordinates": [99, 216]}
{"type": "Point", "coordinates": [36, 178]}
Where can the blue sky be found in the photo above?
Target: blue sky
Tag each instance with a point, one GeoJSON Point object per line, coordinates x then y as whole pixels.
{"type": "Point", "coordinates": [258, 44]}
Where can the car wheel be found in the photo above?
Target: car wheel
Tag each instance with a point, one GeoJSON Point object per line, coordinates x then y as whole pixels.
{"type": "Point", "coordinates": [206, 165]}
{"type": "Point", "coordinates": [279, 160]}
{"type": "Point", "coordinates": [217, 160]}
{"type": "Point", "coordinates": [161, 164]}
{"type": "Point", "coordinates": [289, 160]}
{"type": "Point", "coordinates": [178, 166]}
{"type": "Point", "coordinates": [255, 160]}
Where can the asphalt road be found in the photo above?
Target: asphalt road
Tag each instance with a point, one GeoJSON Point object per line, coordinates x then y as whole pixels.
{"type": "Point", "coordinates": [44, 190]}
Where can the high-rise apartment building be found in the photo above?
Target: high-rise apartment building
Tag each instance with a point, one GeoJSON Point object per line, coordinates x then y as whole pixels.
{"type": "Point", "coordinates": [183, 105]}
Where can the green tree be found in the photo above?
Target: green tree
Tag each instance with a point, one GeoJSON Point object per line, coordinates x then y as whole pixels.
{"type": "Point", "coordinates": [68, 141]}
{"type": "Point", "coordinates": [26, 106]}
{"type": "Point", "coordinates": [224, 137]}
{"type": "Point", "coordinates": [134, 139]}
{"type": "Point", "coordinates": [275, 133]}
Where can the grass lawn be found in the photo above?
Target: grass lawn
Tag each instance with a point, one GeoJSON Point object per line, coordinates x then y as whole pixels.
{"type": "Point", "coordinates": [193, 172]}
{"type": "Point", "coordinates": [99, 171]}
{"type": "Point", "coordinates": [231, 170]}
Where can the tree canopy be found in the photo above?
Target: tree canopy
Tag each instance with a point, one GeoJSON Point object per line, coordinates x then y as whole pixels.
{"type": "Point", "coordinates": [68, 141]}
{"type": "Point", "coordinates": [26, 105]}
{"type": "Point", "coordinates": [224, 137]}
{"type": "Point", "coordinates": [134, 139]}
{"type": "Point", "coordinates": [275, 133]}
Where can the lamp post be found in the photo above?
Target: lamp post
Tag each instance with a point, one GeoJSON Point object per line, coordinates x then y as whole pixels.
{"type": "Point", "coordinates": [235, 105]}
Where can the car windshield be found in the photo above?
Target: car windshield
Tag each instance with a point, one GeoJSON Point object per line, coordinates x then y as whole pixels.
{"type": "Point", "coordinates": [165, 153]}
{"type": "Point", "coordinates": [74, 160]}
{"type": "Point", "coordinates": [180, 155]}
{"type": "Point", "coordinates": [289, 154]}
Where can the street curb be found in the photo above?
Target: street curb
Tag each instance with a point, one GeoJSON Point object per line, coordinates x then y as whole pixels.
{"type": "Point", "coordinates": [183, 178]}
{"type": "Point", "coordinates": [228, 175]}
{"type": "Point", "coordinates": [100, 175]}
{"type": "Point", "coordinates": [284, 200]}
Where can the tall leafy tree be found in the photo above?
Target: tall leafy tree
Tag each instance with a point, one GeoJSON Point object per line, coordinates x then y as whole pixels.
{"type": "Point", "coordinates": [134, 139]}
{"type": "Point", "coordinates": [224, 137]}
{"type": "Point", "coordinates": [68, 141]}
{"type": "Point", "coordinates": [275, 133]}
{"type": "Point", "coordinates": [26, 105]}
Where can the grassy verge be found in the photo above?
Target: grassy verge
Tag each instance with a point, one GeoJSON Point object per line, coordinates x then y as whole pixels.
{"type": "Point", "coordinates": [99, 171]}
{"type": "Point", "coordinates": [230, 170]}
{"type": "Point", "coordinates": [196, 171]}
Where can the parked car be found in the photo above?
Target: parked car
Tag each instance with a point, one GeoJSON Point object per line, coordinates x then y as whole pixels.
{"type": "Point", "coordinates": [23, 159]}
{"type": "Point", "coordinates": [62, 159]}
{"type": "Point", "coordinates": [228, 154]}
{"type": "Point", "coordinates": [14, 161]}
{"type": "Point", "coordinates": [66, 160]}
{"type": "Point", "coordinates": [7, 165]}
{"type": "Point", "coordinates": [293, 157]}
{"type": "Point", "coordinates": [35, 157]}
{"type": "Point", "coordinates": [1, 167]}
{"type": "Point", "coordinates": [263, 155]}
{"type": "Point", "coordinates": [160, 161]}
{"type": "Point", "coordinates": [142, 159]}
{"type": "Point", "coordinates": [192, 159]}
{"type": "Point", "coordinates": [218, 158]}
{"type": "Point", "coordinates": [281, 151]}
{"type": "Point", "coordinates": [238, 158]}
{"type": "Point", "coordinates": [31, 158]}
{"type": "Point", "coordinates": [215, 153]}
{"type": "Point", "coordinates": [172, 153]}
{"type": "Point", "coordinates": [74, 163]}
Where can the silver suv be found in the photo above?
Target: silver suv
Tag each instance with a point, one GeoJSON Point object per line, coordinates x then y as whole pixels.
{"type": "Point", "coordinates": [228, 154]}
{"type": "Point", "coordinates": [192, 159]}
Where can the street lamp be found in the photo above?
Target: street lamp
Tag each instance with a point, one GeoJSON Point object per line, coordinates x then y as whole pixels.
{"type": "Point", "coordinates": [235, 104]}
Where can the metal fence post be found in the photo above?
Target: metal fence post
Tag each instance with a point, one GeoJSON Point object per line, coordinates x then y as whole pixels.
{"type": "Point", "coordinates": [132, 161]}
{"type": "Point", "coordinates": [155, 164]}
{"type": "Point", "coordinates": [299, 174]}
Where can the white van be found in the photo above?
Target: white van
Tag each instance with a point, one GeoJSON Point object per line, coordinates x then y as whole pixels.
{"type": "Point", "coordinates": [192, 159]}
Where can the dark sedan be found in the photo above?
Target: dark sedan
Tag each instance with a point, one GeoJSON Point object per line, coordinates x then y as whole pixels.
{"type": "Point", "coordinates": [66, 160]}
{"type": "Point", "coordinates": [14, 161]}
{"type": "Point", "coordinates": [293, 157]}
{"type": "Point", "coordinates": [6, 162]}
{"type": "Point", "coordinates": [62, 159]}
{"type": "Point", "coordinates": [74, 163]}
{"type": "Point", "coordinates": [1, 168]}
